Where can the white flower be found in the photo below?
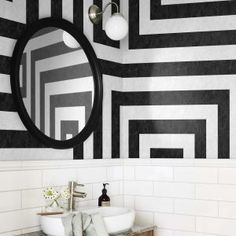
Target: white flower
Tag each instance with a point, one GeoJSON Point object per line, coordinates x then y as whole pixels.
{"type": "Point", "coordinates": [65, 193]}
{"type": "Point", "coordinates": [50, 193]}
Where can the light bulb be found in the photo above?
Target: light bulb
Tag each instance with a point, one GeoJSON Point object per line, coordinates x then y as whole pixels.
{"type": "Point", "coordinates": [116, 27]}
{"type": "Point", "coordinates": [69, 40]}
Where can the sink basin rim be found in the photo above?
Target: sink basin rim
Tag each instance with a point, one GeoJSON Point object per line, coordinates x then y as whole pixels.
{"type": "Point", "coordinates": [116, 220]}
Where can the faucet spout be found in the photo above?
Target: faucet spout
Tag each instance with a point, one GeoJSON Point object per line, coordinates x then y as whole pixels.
{"type": "Point", "coordinates": [79, 194]}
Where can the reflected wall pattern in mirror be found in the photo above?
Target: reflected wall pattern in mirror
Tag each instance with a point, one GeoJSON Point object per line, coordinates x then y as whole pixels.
{"type": "Point", "coordinates": [57, 89]}
{"type": "Point", "coordinates": [58, 85]}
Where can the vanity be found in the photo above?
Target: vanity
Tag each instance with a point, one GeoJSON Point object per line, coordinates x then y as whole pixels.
{"type": "Point", "coordinates": [137, 230]}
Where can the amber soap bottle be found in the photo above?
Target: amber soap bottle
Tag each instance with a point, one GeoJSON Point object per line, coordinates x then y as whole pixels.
{"type": "Point", "coordinates": [104, 200]}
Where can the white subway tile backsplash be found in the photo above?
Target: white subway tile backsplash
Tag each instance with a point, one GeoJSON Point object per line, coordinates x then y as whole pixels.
{"type": "Point", "coordinates": [164, 232]}
{"type": "Point", "coordinates": [58, 177]}
{"type": "Point", "coordinates": [91, 175]}
{"type": "Point", "coordinates": [196, 207]}
{"type": "Point", "coordinates": [116, 188]}
{"type": "Point", "coordinates": [219, 226]}
{"type": "Point", "coordinates": [15, 220]}
{"type": "Point", "coordinates": [182, 233]}
{"type": "Point", "coordinates": [175, 190]}
{"type": "Point", "coordinates": [227, 176]}
{"type": "Point", "coordinates": [227, 209]}
{"type": "Point", "coordinates": [154, 204]}
{"type": "Point", "coordinates": [216, 192]}
{"type": "Point", "coordinates": [144, 218]}
{"type": "Point", "coordinates": [16, 180]}
{"type": "Point", "coordinates": [129, 173]}
{"type": "Point", "coordinates": [196, 174]}
{"type": "Point", "coordinates": [173, 195]}
{"type": "Point", "coordinates": [143, 188]}
{"type": "Point", "coordinates": [10, 201]}
{"type": "Point", "coordinates": [129, 201]}
{"type": "Point", "coordinates": [115, 173]}
{"type": "Point", "coordinates": [175, 222]}
{"type": "Point", "coordinates": [154, 173]}
{"type": "Point", "coordinates": [117, 201]}
{"type": "Point", "coordinates": [32, 198]}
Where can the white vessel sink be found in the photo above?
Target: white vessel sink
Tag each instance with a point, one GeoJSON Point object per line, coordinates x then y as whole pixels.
{"type": "Point", "coordinates": [116, 219]}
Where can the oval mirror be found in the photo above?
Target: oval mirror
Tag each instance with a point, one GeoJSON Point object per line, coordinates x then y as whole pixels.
{"type": "Point", "coordinates": [56, 83]}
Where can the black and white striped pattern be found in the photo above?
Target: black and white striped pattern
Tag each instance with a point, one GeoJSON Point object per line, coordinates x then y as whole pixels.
{"type": "Point", "coordinates": [16, 142]}
{"type": "Point", "coordinates": [58, 86]}
{"type": "Point", "coordinates": [178, 81]}
{"type": "Point", "coordinates": [169, 88]}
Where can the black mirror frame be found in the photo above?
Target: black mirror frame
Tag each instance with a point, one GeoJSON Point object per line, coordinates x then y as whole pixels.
{"type": "Point", "coordinates": [97, 78]}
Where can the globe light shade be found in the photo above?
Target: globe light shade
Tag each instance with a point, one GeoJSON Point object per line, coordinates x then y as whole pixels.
{"type": "Point", "coordinates": [69, 40]}
{"type": "Point", "coordinates": [116, 27]}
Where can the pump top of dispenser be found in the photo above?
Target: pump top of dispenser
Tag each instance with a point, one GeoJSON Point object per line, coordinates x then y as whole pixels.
{"type": "Point", "coordinates": [104, 191]}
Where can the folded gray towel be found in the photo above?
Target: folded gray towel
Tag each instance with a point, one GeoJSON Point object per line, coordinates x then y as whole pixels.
{"type": "Point", "coordinates": [99, 225]}
{"type": "Point", "coordinates": [77, 224]}
{"type": "Point", "coordinates": [67, 222]}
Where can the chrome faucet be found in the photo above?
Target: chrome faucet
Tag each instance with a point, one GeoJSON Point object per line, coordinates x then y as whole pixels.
{"type": "Point", "coordinates": [74, 193]}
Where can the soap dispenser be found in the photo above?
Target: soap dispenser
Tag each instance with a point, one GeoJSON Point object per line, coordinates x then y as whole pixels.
{"type": "Point", "coordinates": [104, 200]}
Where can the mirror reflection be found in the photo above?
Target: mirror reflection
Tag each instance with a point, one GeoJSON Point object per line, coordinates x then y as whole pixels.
{"type": "Point", "coordinates": [56, 83]}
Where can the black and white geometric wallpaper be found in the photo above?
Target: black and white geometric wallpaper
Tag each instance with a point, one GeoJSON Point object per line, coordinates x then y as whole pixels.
{"type": "Point", "coordinates": [178, 92]}
{"type": "Point", "coordinates": [169, 87]}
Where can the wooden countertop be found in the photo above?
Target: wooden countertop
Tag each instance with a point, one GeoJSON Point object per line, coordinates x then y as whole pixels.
{"type": "Point", "coordinates": [137, 229]}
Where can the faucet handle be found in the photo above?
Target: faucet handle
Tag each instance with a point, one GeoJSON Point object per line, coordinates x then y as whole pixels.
{"type": "Point", "coordinates": [79, 185]}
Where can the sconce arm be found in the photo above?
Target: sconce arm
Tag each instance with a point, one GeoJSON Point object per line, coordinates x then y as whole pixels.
{"type": "Point", "coordinates": [108, 4]}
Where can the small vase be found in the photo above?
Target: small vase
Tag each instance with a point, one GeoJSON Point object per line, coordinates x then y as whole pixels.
{"type": "Point", "coordinates": [53, 207]}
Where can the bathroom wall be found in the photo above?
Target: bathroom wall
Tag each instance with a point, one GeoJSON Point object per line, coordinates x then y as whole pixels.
{"type": "Point", "coordinates": [178, 101]}
{"type": "Point", "coordinates": [168, 89]}
{"type": "Point", "coordinates": [21, 185]}
{"type": "Point", "coordinates": [173, 96]}
{"type": "Point", "coordinates": [21, 182]}
{"type": "Point", "coordinates": [183, 197]}
{"type": "Point", "coordinates": [178, 97]}
{"type": "Point", "coordinates": [15, 142]}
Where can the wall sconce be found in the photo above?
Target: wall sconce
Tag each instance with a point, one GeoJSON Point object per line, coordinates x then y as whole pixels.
{"type": "Point", "coordinates": [116, 27]}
